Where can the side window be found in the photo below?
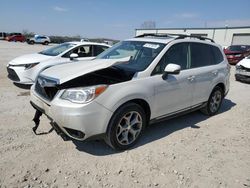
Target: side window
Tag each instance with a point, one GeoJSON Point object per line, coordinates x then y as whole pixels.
{"type": "Point", "coordinates": [201, 55]}
{"type": "Point", "coordinates": [99, 49]}
{"type": "Point", "coordinates": [81, 51]}
{"type": "Point", "coordinates": [176, 54]}
{"type": "Point", "coordinates": [218, 57]}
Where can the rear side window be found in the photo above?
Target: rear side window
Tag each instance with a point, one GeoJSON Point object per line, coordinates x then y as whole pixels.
{"type": "Point", "coordinates": [201, 55]}
{"type": "Point", "coordinates": [218, 57]}
{"type": "Point", "coordinates": [99, 49]}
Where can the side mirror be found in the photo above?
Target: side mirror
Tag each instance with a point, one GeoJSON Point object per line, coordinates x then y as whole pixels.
{"type": "Point", "coordinates": [171, 69]}
{"type": "Point", "coordinates": [73, 56]}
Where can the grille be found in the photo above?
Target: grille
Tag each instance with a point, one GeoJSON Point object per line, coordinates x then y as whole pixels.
{"type": "Point", "coordinates": [12, 74]}
{"type": "Point", "coordinates": [46, 88]}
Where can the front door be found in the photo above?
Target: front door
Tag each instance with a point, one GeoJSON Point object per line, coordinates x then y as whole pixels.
{"type": "Point", "coordinates": [174, 93]}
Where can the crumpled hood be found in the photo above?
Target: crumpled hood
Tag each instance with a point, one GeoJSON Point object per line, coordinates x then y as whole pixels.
{"type": "Point", "coordinates": [29, 58]}
{"type": "Point", "coordinates": [245, 63]}
{"type": "Point", "coordinates": [65, 72]}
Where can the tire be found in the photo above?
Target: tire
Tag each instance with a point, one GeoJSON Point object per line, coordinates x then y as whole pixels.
{"type": "Point", "coordinates": [31, 42]}
{"type": "Point", "coordinates": [46, 43]}
{"type": "Point", "coordinates": [214, 102]}
{"type": "Point", "coordinates": [121, 134]}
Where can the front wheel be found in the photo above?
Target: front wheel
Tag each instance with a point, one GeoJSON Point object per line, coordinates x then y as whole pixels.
{"type": "Point", "coordinates": [214, 102]}
{"type": "Point", "coordinates": [126, 126]}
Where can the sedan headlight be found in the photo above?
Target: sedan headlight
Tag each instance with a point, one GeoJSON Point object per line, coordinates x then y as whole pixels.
{"type": "Point", "coordinates": [29, 66]}
{"type": "Point", "coordinates": [83, 95]}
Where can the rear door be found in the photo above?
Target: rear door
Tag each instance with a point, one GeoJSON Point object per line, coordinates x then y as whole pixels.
{"type": "Point", "coordinates": [204, 71]}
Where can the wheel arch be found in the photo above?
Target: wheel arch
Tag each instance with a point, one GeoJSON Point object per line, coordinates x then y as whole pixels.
{"type": "Point", "coordinates": [222, 86]}
{"type": "Point", "coordinates": [139, 101]}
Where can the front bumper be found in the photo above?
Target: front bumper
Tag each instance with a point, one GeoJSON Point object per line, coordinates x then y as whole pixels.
{"type": "Point", "coordinates": [78, 121]}
{"type": "Point", "coordinates": [19, 75]}
{"type": "Point", "coordinates": [242, 74]}
{"type": "Point", "coordinates": [244, 78]}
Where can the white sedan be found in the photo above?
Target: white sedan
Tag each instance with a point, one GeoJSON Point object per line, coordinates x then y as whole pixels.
{"type": "Point", "coordinates": [25, 69]}
{"type": "Point", "coordinates": [242, 72]}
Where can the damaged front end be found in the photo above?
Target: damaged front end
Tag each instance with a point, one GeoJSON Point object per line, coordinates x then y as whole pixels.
{"type": "Point", "coordinates": [47, 88]}
{"type": "Point", "coordinates": [242, 73]}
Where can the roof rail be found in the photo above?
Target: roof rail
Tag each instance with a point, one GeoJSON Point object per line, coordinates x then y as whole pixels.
{"type": "Point", "coordinates": [179, 36]}
{"type": "Point", "coordinates": [182, 36]}
{"type": "Point", "coordinates": [152, 35]}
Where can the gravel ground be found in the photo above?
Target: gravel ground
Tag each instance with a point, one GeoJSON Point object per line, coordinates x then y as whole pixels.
{"type": "Point", "coordinates": [189, 151]}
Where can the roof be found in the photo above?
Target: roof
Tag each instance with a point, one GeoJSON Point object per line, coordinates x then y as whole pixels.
{"type": "Point", "coordinates": [159, 38]}
{"type": "Point", "coordinates": [87, 43]}
{"type": "Point", "coordinates": [153, 39]}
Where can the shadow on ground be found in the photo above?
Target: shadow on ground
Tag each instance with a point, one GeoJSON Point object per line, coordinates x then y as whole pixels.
{"type": "Point", "coordinates": [153, 132]}
{"type": "Point", "coordinates": [22, 86]}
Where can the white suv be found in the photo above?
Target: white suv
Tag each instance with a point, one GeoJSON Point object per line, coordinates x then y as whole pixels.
{"type": "Point", "coordinates": [134, 83]}
{"type": "Point", "coordinates": [38, 39]}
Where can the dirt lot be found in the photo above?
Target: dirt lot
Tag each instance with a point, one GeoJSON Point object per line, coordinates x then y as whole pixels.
{"type": "Point", "coordinates": [189, 151]}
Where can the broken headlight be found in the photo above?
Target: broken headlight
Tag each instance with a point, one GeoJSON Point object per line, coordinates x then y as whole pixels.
{"type": "Point", "coordinates": [84, 94]}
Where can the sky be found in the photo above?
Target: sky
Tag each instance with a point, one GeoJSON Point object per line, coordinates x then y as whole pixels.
{"type": "Point", "coordinates": [118, 19]}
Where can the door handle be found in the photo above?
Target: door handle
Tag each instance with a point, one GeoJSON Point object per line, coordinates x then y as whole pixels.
{"type": "Point", "coordinates": [191, 78]}
{"type": "Point", "coordinates": [215, 72]}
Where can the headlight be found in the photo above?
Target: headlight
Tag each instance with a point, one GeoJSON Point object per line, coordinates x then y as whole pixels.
{"type": "Point", "coordinates": [83, 95]}
{"type": "Point", "coordinates": [29, 66]}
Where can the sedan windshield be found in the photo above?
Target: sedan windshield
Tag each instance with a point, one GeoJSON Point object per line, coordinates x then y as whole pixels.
{"type": "Point", "coordinates": [58, 49]}
{"type": "Point", "coordinates": [238, 48]}
{"type": "Point", "coordinates": [141, 54]}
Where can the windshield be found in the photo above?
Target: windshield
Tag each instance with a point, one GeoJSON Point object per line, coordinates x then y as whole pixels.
{"type": "Point", "coordinates": [141, 53]}
{"type": "Point", "coordinates": [237, 48]}
{"type": "Point", "coordinates": [58, 49]}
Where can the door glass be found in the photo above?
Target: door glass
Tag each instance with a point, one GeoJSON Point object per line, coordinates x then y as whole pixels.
{"type": "Point", "coordinates": [99, 49]}
{"type": "Point", "coordinates": [176, 54]}
{"type": "Point", "coordinates": [201, 55]}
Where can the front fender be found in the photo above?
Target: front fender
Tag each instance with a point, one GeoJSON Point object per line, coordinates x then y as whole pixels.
{"type": "Point", "coordinates": [118, 94]}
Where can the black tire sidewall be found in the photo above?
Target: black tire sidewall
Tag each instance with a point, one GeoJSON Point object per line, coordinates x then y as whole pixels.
{"type": "Point", "coordinates": [111, 133]}
{"type": "Point", "coordinates": [210, 98]}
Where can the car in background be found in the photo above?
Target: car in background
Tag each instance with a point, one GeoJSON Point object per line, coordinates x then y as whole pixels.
{"type": "Point", "coordinates": [16, 38]}
{"type": "Point", "coordinates": [235, 53]}
{"type": "Point", "coordinates": [25, 69]}
{"type": "Point", "coordinates": [3, 35]}
{"type": "Point", "coordinates": [8, 35]}
{"type": "Point", "coordinates": [242, 72]}
{"type": "Point", "coordinates": [39, 39]}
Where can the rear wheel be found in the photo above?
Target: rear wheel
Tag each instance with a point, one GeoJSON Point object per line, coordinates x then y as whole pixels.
{"type": "Point", "coordinates": [46, 43]}
{"type": "Point", "coordinates": [126, 126]}
{"type": "Point", "coordinates": [31, 42]}
{"type": "Point", "coordinates": [214, 102]}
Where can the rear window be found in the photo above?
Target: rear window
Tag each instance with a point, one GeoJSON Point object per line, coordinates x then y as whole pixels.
{"type": "Point", "coordinates": [218, 57]}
